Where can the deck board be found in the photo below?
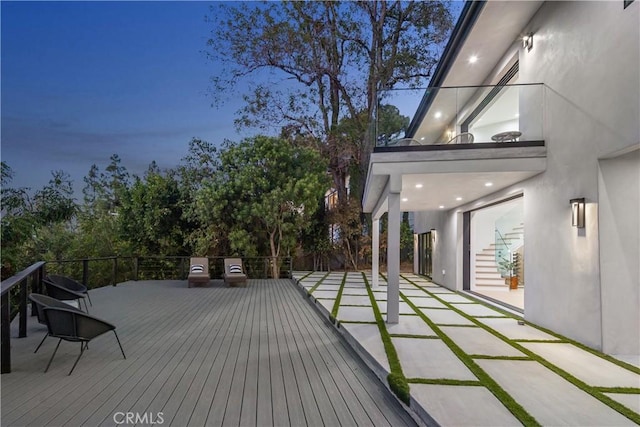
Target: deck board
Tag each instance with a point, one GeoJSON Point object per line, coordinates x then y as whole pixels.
{"type": "Point", "coordinates": [213, 355]}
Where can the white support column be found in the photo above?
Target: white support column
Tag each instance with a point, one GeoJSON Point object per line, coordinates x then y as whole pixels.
{"type": "Point", "coordinates": [393, 253]}
{"type": "Point", "coordinates": [375, 249]}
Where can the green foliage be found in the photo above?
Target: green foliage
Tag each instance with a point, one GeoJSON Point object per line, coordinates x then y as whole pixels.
{"type": "Point", "coordinates": [261, 196]}
{"type": "Point", "coordinates": [151, 215]}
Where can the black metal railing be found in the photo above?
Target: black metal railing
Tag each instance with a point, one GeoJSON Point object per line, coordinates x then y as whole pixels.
{"type": "Point", "coordinates": [105, 271]}
{"type": "Point", "coordinates": [14, 302]}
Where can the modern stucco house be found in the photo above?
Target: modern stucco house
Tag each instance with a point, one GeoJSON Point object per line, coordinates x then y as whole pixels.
{"type": "Point", "coordinates": [522, 159]}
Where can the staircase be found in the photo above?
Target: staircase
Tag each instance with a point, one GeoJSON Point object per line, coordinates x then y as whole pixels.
{"type": "Point", "coordinates": [487, 275]}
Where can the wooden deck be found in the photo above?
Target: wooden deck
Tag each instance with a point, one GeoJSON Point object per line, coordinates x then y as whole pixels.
{"type": "Point", "coordinates": [214, 355]}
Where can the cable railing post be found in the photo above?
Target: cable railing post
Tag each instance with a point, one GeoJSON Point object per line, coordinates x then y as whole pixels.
{"type": "Point", "coordinates": [85, 271]}
{"type": "Point", "coordinates": [22, 330]}
{"type": "Point", "coordinates": [135, 268]}
{"type": "Point", "coordinates": [114, 273]}
{"type": "Point", "coordinates": [5, 364]}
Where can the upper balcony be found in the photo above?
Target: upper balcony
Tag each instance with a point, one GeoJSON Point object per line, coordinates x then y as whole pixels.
{"type": "Point", "coordinates": [458, 138]}
{"type": "Point", "coordinates": [453, 116]}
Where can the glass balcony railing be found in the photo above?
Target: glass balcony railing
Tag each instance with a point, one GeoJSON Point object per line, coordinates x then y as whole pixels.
{"type": "Point", "coordinates": [460, 115]}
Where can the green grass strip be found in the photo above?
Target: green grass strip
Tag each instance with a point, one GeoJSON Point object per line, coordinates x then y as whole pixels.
{"type": "Point", "coordinates": [422, 337]}
{"type": "Point", "coordinates": [443, 381]}
{"type": "Point", "coordinates": [487, 357]}
{"type": "Point", "coordinates": [313, 288]}
{"type": "Point", "coordinates": [505, 398]}
{"type": "Point", "coordinates": [396, 379]}
{"type": "Point", "coordinates": [593, 391]}
{"type": "Point", "coordinates": [336, 305]}
{"type": "Point", "coordinates": [619, 390]}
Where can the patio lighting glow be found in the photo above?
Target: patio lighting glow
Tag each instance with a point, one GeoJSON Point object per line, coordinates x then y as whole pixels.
{"type": "Point", "coordinates": [458, 198]}
{"type": "Point", "coordinates": [488, 184]}
{"type": "Point", "coordinates": [404, 199]}
{"type": "Point", "coordinates": [437, 115]}
{"type": "Point", "coordinates": [473, 59]}
{"type": "Point", "coordinates": [441, 206]}
{"type": "Point", "coordinates": [418, 185]}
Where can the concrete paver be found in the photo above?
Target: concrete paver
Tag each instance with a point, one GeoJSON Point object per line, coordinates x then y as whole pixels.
{"type": "Point", "coordinates": [462, 405]}
{"type": "Point", "coordinates": [355, 300]}
{"type": "Point", "coordinates": [585, 366]}
{"type": "Point", "coordinates": [356, 314]}
{"type": "Point", "coordinates": [479, 341]}
{"type": "Point", "coordinates": [318, 293]}
{"type": "Point", "coordinates": [427, 302]}
{"type": "Point", "coordinates": [430, 358]}
{"type": "Point", "coordinates": [477, 310]}
{"type": "Point", "coordinates": [410, 325]}
{"type": "Point", "coordinates": [509, 328]}
{"type": "Point", "coordinates": [631, 401]}
{"type": "Point", "coordinates": [454, 298]}
{"type": "Point", "coordinates": [549, 398]}
{"type": "Point", "coordinates": [368, 336]}
{"type": "Point", "coordinates": [445, 317]}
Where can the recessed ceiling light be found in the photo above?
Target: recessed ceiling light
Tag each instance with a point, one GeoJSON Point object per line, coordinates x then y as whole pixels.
{"type": "Point", "coordinates": [441, 206]}
{"type": "Point", "coordinates": [404, 199]}
{"type": "Point", "coordinates": [418, 185]}
{"type": "Point", "coordinates": [473, 59]}
{"type": "Point", "coordinates": [437, 115]}
{"type": "Point", "coordinates": [488, 184]}
{"type": "Point", "coordinates": [458, 198]}
{"type": "Point", "coordinates": [422, 139]}
{"type": "Point", "coordinates": [517, 114]}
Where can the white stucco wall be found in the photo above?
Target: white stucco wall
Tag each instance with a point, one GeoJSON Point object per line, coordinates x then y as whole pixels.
{"type": "Point", "coordinates": [588, 56]}
{"type": "Point", "coordinates": [619, 207]}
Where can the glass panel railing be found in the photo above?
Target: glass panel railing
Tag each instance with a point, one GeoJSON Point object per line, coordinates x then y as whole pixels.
{"type": "Point", "coordinates": [461, 115]}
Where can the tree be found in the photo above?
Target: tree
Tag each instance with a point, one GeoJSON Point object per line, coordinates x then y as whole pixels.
{"type": "Point", "coordinates": [150, 215]}
{"type": "Point", "coordinates": [331, 62]}
{"type": "Point", "coordinates": [264, 190]}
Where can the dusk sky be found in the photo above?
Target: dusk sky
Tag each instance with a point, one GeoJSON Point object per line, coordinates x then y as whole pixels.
{"type": "Point", "coordinates": [84, 80]}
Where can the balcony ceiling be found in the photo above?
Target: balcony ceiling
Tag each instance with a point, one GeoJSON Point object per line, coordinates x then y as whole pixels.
{"type": "Point", "coordinates": [446, 176]}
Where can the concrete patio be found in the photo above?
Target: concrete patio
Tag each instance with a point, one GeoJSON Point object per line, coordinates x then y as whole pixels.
{"type": "Point", "coordinates": [469, 364]}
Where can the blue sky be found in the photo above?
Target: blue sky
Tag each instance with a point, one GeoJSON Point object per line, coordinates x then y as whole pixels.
{"type": "Point", "coordinates": [84, 80]}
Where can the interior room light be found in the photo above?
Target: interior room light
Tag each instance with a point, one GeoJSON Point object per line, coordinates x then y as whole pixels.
{"type": "Point", "coordinates": [577, 212]}
{"type": "Point", "coordinates": [488, 184]}
{"type": "Point", "coordinates": [418, 185]}
{"type": "Point", "coordinates": [473, 59]}
{"type": "Point", "coordinates": [527, 41]}
{"type": "Point", "coordinates": [437, 115]}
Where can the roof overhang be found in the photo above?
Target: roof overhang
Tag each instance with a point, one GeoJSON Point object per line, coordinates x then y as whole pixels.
{"type": "Point", "coordinates": [487, 30]}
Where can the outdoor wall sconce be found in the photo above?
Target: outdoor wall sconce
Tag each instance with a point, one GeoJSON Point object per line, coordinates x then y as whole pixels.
{"type": "Point", "coordinates": [527, 41]}
{"type": "Point", "coordinates": [577, 212]}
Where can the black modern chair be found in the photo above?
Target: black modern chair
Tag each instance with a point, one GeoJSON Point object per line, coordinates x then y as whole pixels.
{"type": "Point", "coordinates": [75, 326]}
{"type": "Point", "coordinates": [41, 302]}
{"type": "Point", "coordinates": [63, 293]}
{"type": "Point", "coordinates": [69, 283]}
